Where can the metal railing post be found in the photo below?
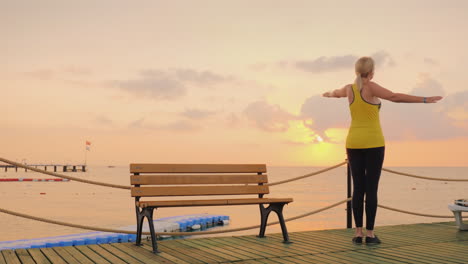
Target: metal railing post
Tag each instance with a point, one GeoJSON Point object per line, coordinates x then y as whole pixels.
{"type": "Point", "coordinates": [349, 210]}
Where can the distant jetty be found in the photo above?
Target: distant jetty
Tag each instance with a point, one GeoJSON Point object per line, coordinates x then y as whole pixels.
{"type": "Point", "coordinates": [60, 167]}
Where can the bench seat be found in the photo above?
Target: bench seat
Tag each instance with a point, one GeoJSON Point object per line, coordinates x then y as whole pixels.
{"type": "Point", "coordinates": [247, 183]}
{"type": "Point", "coordinates": [213, 202]}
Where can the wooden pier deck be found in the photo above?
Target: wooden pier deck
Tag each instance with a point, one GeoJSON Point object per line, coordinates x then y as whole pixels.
{"type": "Point", "coordinates": [415, 243]}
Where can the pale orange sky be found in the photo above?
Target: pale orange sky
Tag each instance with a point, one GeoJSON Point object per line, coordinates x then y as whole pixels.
{"type": "Point", "coordinates": [227, 81]}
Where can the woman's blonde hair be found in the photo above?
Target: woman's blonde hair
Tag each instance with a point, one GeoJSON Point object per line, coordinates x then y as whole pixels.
{"type": "Point", "coordinates": [363, 67]}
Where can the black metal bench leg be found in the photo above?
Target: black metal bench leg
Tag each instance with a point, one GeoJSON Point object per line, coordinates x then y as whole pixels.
{"type": "Point", "coordinates": [140, 218]}
{"type": "Point", "coordinates": [264, 213]}
{"type": "Point", "coordinates": [153, 234]}
{"type": "Point", "coordinates": [278, 208]}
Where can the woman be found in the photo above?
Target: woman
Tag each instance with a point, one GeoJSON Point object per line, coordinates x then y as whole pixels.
{"type": "Point", "coordinates": [365, 145]}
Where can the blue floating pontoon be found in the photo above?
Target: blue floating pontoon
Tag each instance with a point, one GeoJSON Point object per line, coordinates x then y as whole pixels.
{"type": "Point", "coordinates": [182, 223]}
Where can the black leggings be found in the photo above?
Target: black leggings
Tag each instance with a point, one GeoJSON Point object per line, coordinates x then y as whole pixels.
{"type": "Point", "coordinates": [366, 165]}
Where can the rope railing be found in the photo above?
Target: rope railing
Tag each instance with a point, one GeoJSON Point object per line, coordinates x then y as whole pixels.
{"type": "Point", "coordinates": [269, 184]}
{"type": "Point", "coordinates": [165, 233]}
{"type": "Point", "coordinates": [50, 221]}
{"type": "Point", "coordinates": [208, 232]}
{"type": "Point", "coordinates": [307, 175]}
{"type": "Point", "coordinates": [423, 177]}
{"type": "Point", "coordinates": [128, 187]}
{"type": "Point", "coordinates": [413, 213]}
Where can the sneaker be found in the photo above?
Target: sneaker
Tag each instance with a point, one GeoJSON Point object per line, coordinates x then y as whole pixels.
{"type": "Point", "coordinates": [357, 240]}
{"type": "Point", "coordinates": [373, 240]}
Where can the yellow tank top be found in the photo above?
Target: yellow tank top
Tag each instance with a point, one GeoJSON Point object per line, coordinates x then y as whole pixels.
{"type": "Point", "coordinates": [365, 130]}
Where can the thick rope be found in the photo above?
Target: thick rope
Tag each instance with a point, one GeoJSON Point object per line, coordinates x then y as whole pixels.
{"type": "Point", "coordinates": [65, 176]}
{"type": "Point", "coordinates": [413, 213]}
{"type": "Point", "coordinates": [207, 232]}
{"type": "Point", "coordinates": [128, 187]}
{"type": "Point", "coordinates": [164, 233]}
{"type": "Point", "coordinates": [423, 177]}
{"type": "Point", "coordinates": [307, 175]}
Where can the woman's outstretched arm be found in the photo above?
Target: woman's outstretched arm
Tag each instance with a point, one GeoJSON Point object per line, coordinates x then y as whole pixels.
{"type": "Point", "coordinates": [386, 94]}
{"type": "Point", "coordinates": [337, 93]}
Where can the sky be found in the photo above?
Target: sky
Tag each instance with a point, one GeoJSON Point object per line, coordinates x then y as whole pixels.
{"type": "Point", "coordinates": [227, 81]}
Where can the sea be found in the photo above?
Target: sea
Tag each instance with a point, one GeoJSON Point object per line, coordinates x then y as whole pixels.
{"type": "Point", "coordinates": [85, 204]}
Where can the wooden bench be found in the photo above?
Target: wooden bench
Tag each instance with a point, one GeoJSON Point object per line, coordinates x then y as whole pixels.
{"type": "Point", "coordinates": [181, 180]}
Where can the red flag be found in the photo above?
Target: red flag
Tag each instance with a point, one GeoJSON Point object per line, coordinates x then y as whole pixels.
{"type": "Point", "coordinates": [88, 143]}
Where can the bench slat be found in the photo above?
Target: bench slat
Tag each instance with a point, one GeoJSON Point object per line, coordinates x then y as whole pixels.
{"type": "Point", "coordinates": [197, 179]}
{"type": "Point", "coordinates": [196, 168]}
{"type": "Point", "coordinates": [198, 190]}
{"type": "Point", "coordinates": [213, 202]}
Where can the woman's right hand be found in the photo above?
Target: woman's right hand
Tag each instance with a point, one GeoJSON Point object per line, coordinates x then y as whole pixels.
{"type": "Point", "coordinates": [433, 99]}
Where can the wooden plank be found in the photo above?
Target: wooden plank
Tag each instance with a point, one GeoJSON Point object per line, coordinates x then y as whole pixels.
{"type": "Point", "coordinates": [198, 190]}
{"type": "Point", "coordinates": [92, 255]}
{"type": "Point", "coordinates": [222, 256]}
{"type": "Point", "coordinates": [52, 256]}
{"type": "Point", "coordinates": [106, 254]}
{"type": "Point", "coordinates": [65, 255]}
{"type": "Point", "coordinates": [2, 259]}
{"type": "Point", "coordinates": [141, 254]}
{"type": "Point", "coordinates": [391, 252]}
{"type": "Point", "coordinates": [236, 253]}
{"type": "Point", "coordinates": [140, 257]}
{"type": "Point", "coordinates": [316, 259]}
{"type": "Point", "coordinates": [189, 251]}
{"type": "Point", "coordinates": [24, 256]}
{"type": "Point", "coordinates": [181, 254]}
{"type": "Point", "coordinates": [251, 249]}
{"type": "Point", "coordinates": [197, 179]}
{"type": "Point", "coordinates": [363, 256]}
{"type": "Point", "coordinates": [120, 254]}
{"type": "Point", "coordinates": [10, 257]}
{"type": "Point", "coordinates": [294, 260]}
{"type": "Point", "coordinates": [272, 260]}
{"type": "Point", "coordinates": [280, 249]}
{"type": "Point", "coordinates": [196, 168]}
{"type": "Point", "coordinates": [214, 202]}
{"type": "Point", "coordinates": [78, 255]}
{"type": "Point", "coordinates": [436, 254]}
{"type": "Point", "coordinates": [38, 256]}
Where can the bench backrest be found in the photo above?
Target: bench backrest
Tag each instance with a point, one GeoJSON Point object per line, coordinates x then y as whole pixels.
{"type": "Point", "coordinates": [152, 180]}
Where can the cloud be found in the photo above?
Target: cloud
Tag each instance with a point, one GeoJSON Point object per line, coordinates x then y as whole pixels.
{"type": "Point", "coordinates": [153, 87]}
{"type": "Point", "coordinates": [137, 123]}
{"type": "Point", "coordinates": [64, 72]}
{"type": "Point", "coordinates": [200, 77]}
{"type": "Point", "coordinates": [75, 70]}
{"type": "Point", "coordinates": [179, 126]}
{"type": "Point", "coordinates": [268, 117]}
{"type": "Point", "coordinates": [42, 74]}
{"type": "Point", "coordinates": [383, 59]}
{"type": "Point", "coordinates": [431, 62]}
{"type": "Point", "coordinates": [168, 85]}
{"type": "Point", "coordinates": [197, 114]}
{"type": "Point", "coordinates": [325, 113]}
{"type": "Point", "coordinates": [102, 120]}
{"type": "Point", "coordinates": [325, 64]}
{"type": "Point", "coordinates": [233, 120]}
{"type": "Point", "coordinates": [176, 126]}
{"type": "Point", "coordinates": [427, 86]}
{"type": "Point", "coordinates": [336, 63]}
